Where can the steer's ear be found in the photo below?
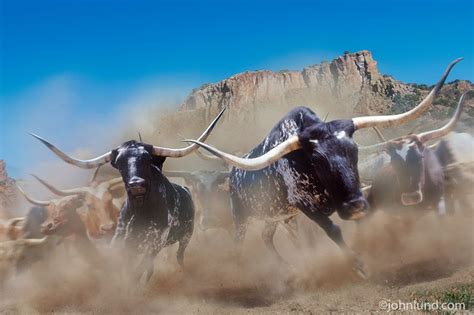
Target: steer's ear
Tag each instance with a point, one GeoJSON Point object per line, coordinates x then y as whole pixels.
{"type": "Point", "coordinates": [349, 127]}
{"type": "Point", "coordinates": [415, 139]}
{"type": "Point", "coordinates": [155, 160]}
{"type": "Point", "coordinates": [158, 161]}
{"type": "Point", "coordinates": [113, 157]}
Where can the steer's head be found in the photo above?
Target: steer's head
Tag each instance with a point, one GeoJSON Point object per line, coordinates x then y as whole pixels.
{"type": "Point", "coordinates": [135, 162]}
{"type": "Point", "coordinates": [63, 218]}
{"type": "Point", "coordinates": [406, 158]}
{"type": "Point", "coordinates": [208, 188]}
{"type": "Point", "coordinates": [333, 156]}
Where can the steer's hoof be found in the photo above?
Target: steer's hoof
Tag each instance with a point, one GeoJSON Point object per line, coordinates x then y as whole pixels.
{"type": "Point", "coordinates": [359, 269]}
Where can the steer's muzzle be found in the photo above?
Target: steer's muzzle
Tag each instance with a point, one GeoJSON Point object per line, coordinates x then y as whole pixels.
{"type": "Point", "coordinates": [354, 209]}
{"type": "Point", "coordinates": [48, 228]}
{"type": "Point", "coordinates": [413, 198]}
{"type": "Point", "coordinates": [106, 228]}
{"type": "Point", "coordinates": [136, 186]}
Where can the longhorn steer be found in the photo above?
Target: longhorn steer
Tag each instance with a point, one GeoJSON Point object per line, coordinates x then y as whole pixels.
{"type": "Point", "coordinates": [455, 153]}
{"type": "Point", "coordinates": [18, 253]}
{"type": "Point", "coordinates": [156, 212]}
{"type": "Point", "coordinates": [414, 178]}
{"type": "Point", "coordinates": [15, 254]}
{"type": "Point", "coordinates": [307, 164]}
{"type": "Point", "coordinates": [103, 209]}
{"type": "Point", "coordinates": [63, 220]}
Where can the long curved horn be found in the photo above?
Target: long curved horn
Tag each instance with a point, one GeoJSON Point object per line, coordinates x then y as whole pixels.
{"type": "Point", "coordinates": [202, 155]}
{"type": "Point", "coordinates": [92, 163]}
{"type": "Point", "coordinates": [253, 164]}
{"type": "Point", "coordinates": [437, 133]}
{"type": "Point", "coordinates": [94, 175]}
{"type": "Point", "coordinates": [15, 221]}
{"type": "Point", "coordinates": [374, 148]}
{"type": "Point", "coordinates": [379, 134]}
{"type": "Point", "coordinates": [176, 153]}
{"type": "Point", "coordinates": [116, 186]}
{"type": "Point", "coordinates": [395, 120]}
{"type": "Point", "coordinates": [369, 149]}
{"type": "Point", "coordinates": [114, 181]}
{"type": "Point", "coordinates": [366, 188]}
{"type": "Point", "coordinates": [57, 191]}
{"type": "Point", "coordinates": [182, 174]}
{"type": "Point", "coordinates": [32, 200]}
{"type": "Point", "coordinates": [434, 145]}
{"type": "Point", "coordinates": [425, 136]}
{"type": "Point", "coordinates": [35, 241]}
{"type": "Point", "coordinates": [206, 157]}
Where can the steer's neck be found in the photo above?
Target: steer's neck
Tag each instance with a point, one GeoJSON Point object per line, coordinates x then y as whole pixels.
{"type": "Point", "coordinates": [156, 205]}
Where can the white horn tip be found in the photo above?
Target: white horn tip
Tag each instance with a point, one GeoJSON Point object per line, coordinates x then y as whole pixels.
{"type": "Point", "coordinates": [44, 141]}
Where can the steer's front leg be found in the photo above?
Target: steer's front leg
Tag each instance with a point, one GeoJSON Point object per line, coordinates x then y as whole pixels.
{"type": "Point", "coordinates": [123, 223]}
{"type": "Point", "coordinates": [335, 234]}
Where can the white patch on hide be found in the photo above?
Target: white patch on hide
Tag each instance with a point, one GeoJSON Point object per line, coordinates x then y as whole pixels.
{"type": "Point", "coordinates": [403, 152]}
{"type": "Point", "coordinates": [340, 134]}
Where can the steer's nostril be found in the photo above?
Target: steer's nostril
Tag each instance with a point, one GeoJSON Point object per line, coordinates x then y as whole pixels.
{"type": "Point", "coordinates": [50, 226]}
{"type": "Point", "coordinates": [361, 205]}
{"type": "Point", "coordinates": [106, 227]}
{"type": "Point", "coordinates": [136, 186]}
{"type": "Point", "coordinates": [136, 181]}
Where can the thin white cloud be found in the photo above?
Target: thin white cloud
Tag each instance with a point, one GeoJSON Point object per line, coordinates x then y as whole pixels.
{"type": "Point", "coordinates": [70, 111]}
{"type": "Point", "coordinates": [297, 60]}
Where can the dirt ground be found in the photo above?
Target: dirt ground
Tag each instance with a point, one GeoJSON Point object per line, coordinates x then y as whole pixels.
{"type": "Point", "coordinates": [406, 259]}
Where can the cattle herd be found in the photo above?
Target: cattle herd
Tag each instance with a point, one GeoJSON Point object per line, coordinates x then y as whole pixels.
{"type": "Point", "coordinates": [303, 165]}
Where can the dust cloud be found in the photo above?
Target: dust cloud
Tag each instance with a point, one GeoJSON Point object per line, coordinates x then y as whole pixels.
{"type": "Point", "coordinates": [398, 251]}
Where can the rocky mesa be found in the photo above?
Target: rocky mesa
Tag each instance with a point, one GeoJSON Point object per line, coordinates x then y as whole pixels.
{"type": "Point", "coordinates": [349, 85]}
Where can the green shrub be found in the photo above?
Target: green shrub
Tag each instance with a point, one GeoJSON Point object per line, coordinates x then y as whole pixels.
{"type": "Point", "coordinates": [403, 103]}
{"type": "Point", "coordinates": [456, 294]}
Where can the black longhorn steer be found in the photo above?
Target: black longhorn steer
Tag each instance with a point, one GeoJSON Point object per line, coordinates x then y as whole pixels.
{"type": "Point", "coordinates": [309, 165]}
{"type": "Point", "coordinates": [156, 212]}
{"type": "Point", "coordinates": [414, 178]}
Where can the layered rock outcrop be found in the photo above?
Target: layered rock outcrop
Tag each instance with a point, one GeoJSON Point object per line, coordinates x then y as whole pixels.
{"type": "Point", "coordinates": [350, 84]}
{"type": "Point", "coordinates": [7, 191]}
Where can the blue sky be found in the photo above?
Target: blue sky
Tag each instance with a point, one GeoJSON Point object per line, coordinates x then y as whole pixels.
{"type": "Point", "coordinates": [76, 62]}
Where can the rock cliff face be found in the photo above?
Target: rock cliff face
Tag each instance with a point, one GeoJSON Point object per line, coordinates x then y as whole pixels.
{"type": "Point", "coordinates": [7, 190]}
{"type": "Point", "coordinates": [350, 84]}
